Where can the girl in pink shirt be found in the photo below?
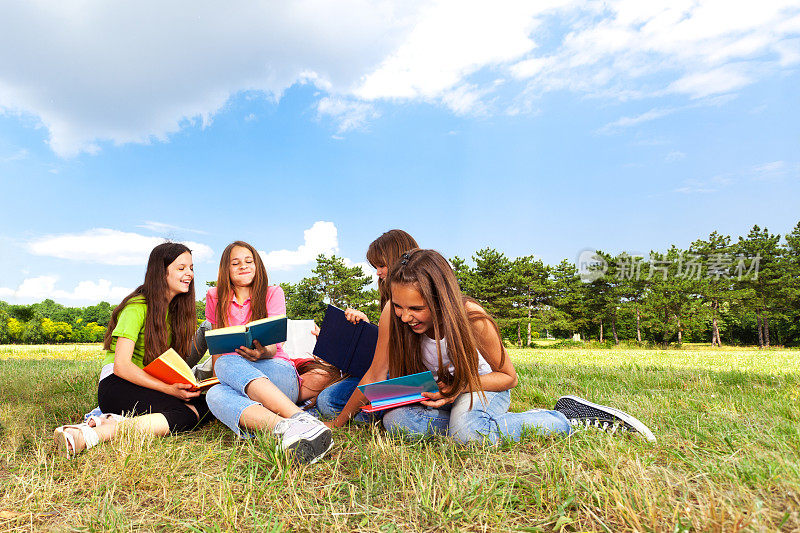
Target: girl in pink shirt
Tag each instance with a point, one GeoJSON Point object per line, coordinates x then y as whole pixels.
{"type": "Point", "coordinates": [259, 386]}
{"type": "Point", "coordinates": [239, 313]}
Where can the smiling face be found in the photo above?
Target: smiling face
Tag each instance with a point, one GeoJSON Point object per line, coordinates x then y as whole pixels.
{"type": "Point", "coordinates": [410, 307]}
{"type": "Point", "coordinates": [242, 268]}
{"type": "Point", "coordinates": [180, 274]}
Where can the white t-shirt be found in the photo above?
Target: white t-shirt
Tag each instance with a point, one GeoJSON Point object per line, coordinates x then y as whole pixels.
{"type": "Point", "coordinates": [431, 359]}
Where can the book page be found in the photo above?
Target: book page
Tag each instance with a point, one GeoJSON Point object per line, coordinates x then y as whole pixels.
{"type": "Point", "coordinates": [263, 320]}
{"type": "Point", "coordinates": [176, 362]}
{"type": "Point", "coordinates": [226, 331]}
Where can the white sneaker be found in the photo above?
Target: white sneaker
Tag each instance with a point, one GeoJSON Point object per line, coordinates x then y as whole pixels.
{"type": "Point", "coordinates": [309, 442]}
{"type": "Point", "coordinates": [583, 413]}
{"type": "Point", "coordinates": [308, 417]}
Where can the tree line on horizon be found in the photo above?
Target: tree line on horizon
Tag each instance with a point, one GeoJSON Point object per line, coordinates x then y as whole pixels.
{"type": "Point", "coordinates": [717, 290]}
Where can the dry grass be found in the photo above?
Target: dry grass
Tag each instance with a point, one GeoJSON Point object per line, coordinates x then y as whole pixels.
{"type": "Point", "coordinates": [727, 458]}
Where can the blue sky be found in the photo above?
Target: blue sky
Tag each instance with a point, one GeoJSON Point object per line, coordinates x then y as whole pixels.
{"type": "Point", "coordinates": [539, 128]}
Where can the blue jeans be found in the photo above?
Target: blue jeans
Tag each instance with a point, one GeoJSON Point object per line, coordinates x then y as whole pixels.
{"type": "Point", "coordinates": [332, 400]}
{"type": "Point", "coordinates": [228, 400]}
{"type": "Point", "coordinates": [487, 421]}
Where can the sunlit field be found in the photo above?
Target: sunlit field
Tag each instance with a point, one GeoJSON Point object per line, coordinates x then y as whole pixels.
{"type": "Point", "coordinates": [727, 422]}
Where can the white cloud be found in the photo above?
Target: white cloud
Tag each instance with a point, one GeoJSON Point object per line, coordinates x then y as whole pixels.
{"type": "Point", "coordinates": [466, 99]}
{"type": "Point", "coordinates": [632, 49]}
{"type": "Point", "coordinates": [349, 114]}
{"type": "Point", "coordinates": [108, 246]}
{"type": "Point", "coordinates": [320, 238]}
{"type": "Point", "coordinates": [675, 155]}
{"type": "Point", "coordinates": [5, 292]}
{"type": "Point", "coordinates": [161, 227]}
{"type": "Point", "coordinates": [37, 288]}
{"type": "Point", "coordinates": [138, 72]}
{"type": "Point", "coordinates": [626, 122]}
{"type": "Point", "coordinates": [771, 170]}
{"type": "Point", "coordinates": [451, 40]}
{"type": "Point", "coordinates": [43, 287]}
{"type": "Point", "coordinates": [366, 268]}
{"type": "Point", "coordinates": [720, 80]}
{"type": "Point", "coordinates": [95, 71]}
{"type": "Point", "coordinates": [714, 184]}
{"type": "Point", "coordinates": [95, 291]}
{"type": "Point", "coordinates": [722, 180]}
{"type": "Point", "coordinates": [16, 156]}
{"type": "Point", "coordinates": [695, 187]}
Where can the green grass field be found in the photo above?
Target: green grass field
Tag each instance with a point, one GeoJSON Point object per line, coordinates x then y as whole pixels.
{"type": "Point", "coordinates": [728, 424]}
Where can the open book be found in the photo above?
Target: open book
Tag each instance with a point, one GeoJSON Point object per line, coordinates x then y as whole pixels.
{"type": "Point", "coordinates": [347, 346]}
{"type": "Point", "coordinates": [395, 392]}
{"type": "Point", "coordinates": [270, 330]}
{"type": "Point", "coordinates": [171, 368]}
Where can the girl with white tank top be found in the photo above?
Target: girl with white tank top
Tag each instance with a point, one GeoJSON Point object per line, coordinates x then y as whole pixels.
{"type": "Point", "coordinates": [469, 362]}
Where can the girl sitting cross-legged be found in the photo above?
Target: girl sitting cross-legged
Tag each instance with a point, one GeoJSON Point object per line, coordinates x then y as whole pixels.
{"type": "Point", "coordinates": [259, 386]}
{"type": "Point", "coordinates": [158, 315]}
{"type": "Point", "coordinates": [381, 254]}
{"type": "Point", "coordinates": [429, 325]}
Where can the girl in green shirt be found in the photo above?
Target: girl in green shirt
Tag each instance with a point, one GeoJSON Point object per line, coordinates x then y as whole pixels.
{"type": "Point", "coordinates": [157, 315]}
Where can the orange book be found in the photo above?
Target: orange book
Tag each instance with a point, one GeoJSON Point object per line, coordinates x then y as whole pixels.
{"type": "Point", "coordinates": [171, 368]}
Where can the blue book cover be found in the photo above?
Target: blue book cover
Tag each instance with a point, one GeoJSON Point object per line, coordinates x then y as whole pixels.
{"type": "Point", "coordinates": [270, 330]}
{"type": "Point", "coordinates": [347, 346]}
{"type": "Point", "coordinates": [395, 392]}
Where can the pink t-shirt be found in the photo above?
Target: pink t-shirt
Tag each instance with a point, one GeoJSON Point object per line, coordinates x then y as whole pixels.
{"type": "Point", "coordinates": [239, 314]}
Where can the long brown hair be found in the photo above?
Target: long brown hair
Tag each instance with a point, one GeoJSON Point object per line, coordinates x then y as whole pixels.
{"type": "Point", "coordinates": [432, 276]}
{"type": "Point", "coordinates": [258, 288]}
{"type": "Point", "coordinates": [386, 250]}
{"type": "Point", "coordinates": [154, 290]}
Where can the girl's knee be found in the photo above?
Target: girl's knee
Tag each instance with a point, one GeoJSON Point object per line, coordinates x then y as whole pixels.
{"type": "Point", "coordinates": [181, 419]}
{"type": "Point", "coordinates": [392, 422]}
{"type": "Point", "coordinates": [415, 422]}
{"type": "Point", "coordinates": [214, 395]}
{"type": "Point", "coordinates": [473, 427]}
{"type": "Point", "coordinates": [396, 423]}
{"type": "Point", "coordinates": [225, 365]}
{"type": "Point", "coordinates": [324, 405]}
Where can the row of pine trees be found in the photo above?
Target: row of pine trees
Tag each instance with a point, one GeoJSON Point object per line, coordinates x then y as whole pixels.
{"type": "Point", "coordinates": [717, 290]}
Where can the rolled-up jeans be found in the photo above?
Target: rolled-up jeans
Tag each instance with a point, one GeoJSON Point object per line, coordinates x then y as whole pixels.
{"type": "Point", "coordinates": [486, 421]}
{"type": "Point", "coordinates": [228, 400]}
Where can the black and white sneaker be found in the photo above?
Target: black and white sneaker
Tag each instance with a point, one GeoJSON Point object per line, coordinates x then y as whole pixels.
{"type": "Point", "coordinates": [585, 414]}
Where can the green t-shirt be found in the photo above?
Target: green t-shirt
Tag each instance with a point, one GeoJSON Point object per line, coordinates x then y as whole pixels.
{"type": "Point", "coordinates": [130, 324]}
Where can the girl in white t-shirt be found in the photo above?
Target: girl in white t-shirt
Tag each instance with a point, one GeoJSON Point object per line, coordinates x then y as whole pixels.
{"type": "Point", "coordinates": [429, 325]}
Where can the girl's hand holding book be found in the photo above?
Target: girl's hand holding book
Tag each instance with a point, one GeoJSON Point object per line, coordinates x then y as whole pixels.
{"type": "Point", "coordinates": [355, 316]}
{"type": "Point", "coordinates": [257, 352]}
{"type": "Point", "coordinates": [438, 399]}
{"type": "Point", "coordinates": [182, 391]}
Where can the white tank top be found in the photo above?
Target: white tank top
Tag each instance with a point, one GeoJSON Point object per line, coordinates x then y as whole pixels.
{"type": "Point", "coordinates": [431, 359]}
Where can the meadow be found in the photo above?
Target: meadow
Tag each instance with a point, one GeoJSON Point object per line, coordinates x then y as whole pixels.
{"type": "Point", "coordinates": [727, 422]}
